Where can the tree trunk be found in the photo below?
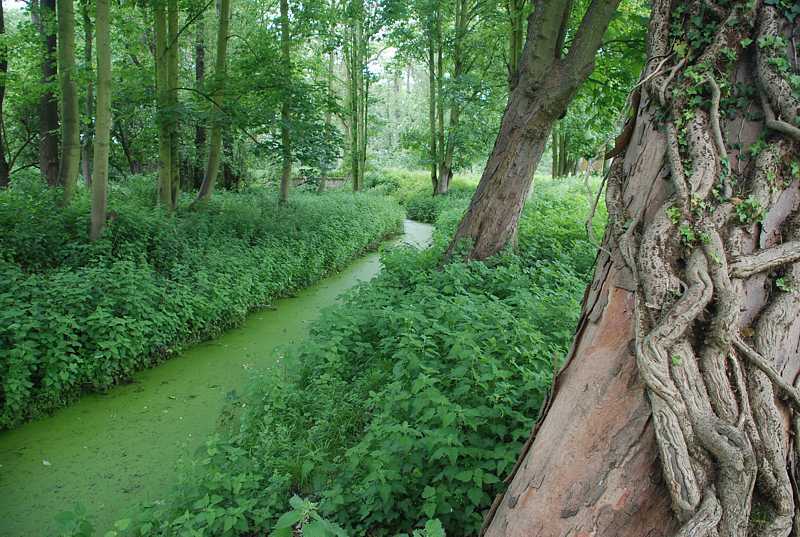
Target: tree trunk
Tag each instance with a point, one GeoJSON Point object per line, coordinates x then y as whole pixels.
{"type": "Point", "coordinates": [547, 82]}
{"type": "Point", "coordinates": [327, 165]}
{"type": "Point", "coordinates": [441, 185]}
{"type": "Point", "coordinates": [162, 97]}
{"type": "Point", "coordinates": [70, 115]}
{"type": "Point", "coordinates": [432, 110]}
{"type": "Point", "coordinates": [461, 29]}
{"type": "Point", "coordinates": [103, 134]}
{"type": "Point", "coordinates": [220, 74]}
{"type": "Point", "coordinates": [44, 18]}
{"type": "Point", "coordinates": [199, 78]}
{"type": "Point", "coordinates": [677, 409]}
{"type": "Point", "coordinates": [516, 16]}
{"type": "Point", "coordinates": [286, 140]}
{"type": "Point", "coordinates": [87, 145]}
{"type": "Point", "coordinates": [173, 49]}
{"type": "Point", "coordinates": [4, 170]}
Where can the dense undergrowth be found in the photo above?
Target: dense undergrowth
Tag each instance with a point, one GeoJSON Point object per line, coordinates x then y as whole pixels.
{"type": "Point", "coordinates": [412, 189]}
{"type": "Point", "coordinates": [408, 402]}
{"type": "Point", "coordinates": [77, 316]}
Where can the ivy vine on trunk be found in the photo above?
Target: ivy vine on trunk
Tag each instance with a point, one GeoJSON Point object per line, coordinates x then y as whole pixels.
{"type": "Point", "coordinates": [678, 409]}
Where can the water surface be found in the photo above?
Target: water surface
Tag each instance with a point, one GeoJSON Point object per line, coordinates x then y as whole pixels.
{"type": "Point", "coordinates": [110, 452]}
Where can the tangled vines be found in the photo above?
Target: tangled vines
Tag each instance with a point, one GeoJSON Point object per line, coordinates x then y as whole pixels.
{"type": "Point", "coordinates": [712, 377]}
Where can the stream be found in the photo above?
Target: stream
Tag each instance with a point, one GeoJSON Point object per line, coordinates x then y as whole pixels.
{"type": "Point", "coordinates": [110, 452]}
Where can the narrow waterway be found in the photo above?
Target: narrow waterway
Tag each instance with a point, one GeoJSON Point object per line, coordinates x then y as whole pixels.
{"type": "Point", "coordinates": [110, 452]}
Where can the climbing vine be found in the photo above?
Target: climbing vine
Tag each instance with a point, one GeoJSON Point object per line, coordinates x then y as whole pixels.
{"type": "Point", "coordinates": [712, 376]}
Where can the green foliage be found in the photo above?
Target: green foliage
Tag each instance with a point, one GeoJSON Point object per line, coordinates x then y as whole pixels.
{"type": "Point", "coordinates": [78, 316]}
{"type": "Point", "coordinates": [749, 211]}
{"type": "Point", "coordinates": [408, 402]}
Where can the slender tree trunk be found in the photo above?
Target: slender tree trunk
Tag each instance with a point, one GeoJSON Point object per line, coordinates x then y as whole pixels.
{"type": "Point", "coordinates": [4, 170]}
{"type": "Point", "coordinates": [327, 166]}
{"type": "Point", "coordinates": [446, 174]}
{"type": "Point", "coordinates": [441, 184]}
{"type": "Point", "coordinates": [677, 411]}
{"type": "Point", "coordinates": [70, 115]}
{"type": "Point", "coordinates": [199, 77]}
{"type": "Point", "coordinates": [547, 83]}
{"type": "Point", "coordinates": [103, 135]}
{"type": "Point", "coordinates": [220, 74]}
{"type": "Point", "coordinates": [173, 50]}
{"type": "Point", "coordinates": [286, 139]}
{"type": "Point", "coordinates": [163, 102]}
{"type": "Point", "coordinates": [432, 110]}
{"type": "Point", "coordinates": [44, 18]}
{"type": "Point", "coordinates": [87, 145]}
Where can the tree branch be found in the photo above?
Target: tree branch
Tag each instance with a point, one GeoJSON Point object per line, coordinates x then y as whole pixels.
{"type": "Point", "coordinates": [768, 259]}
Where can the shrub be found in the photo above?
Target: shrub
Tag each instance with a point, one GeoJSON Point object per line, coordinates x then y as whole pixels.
{"type": "Point", "coordinates": [409, 401]}
{"type": "Point", "coordinates": [78, 316]}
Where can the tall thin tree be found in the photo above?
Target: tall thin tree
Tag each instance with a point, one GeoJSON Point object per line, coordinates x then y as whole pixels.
{"type": "Point", "coordinates": [43, 15]}
{"type": "Point", "coordinates": [286, 136]}
{"type": "Point", "coordinates": [88, 124]}
{"type": "Point", "coordinates": [162, 99]}
{"type": "Point", "coordinates": [70, 115]}
{"type": "Point", "coordinates": [4, 171]}
{"type": "Point", "coordinates": [220, 75]}
{"type": "Point", "coordinates": [103, 114]}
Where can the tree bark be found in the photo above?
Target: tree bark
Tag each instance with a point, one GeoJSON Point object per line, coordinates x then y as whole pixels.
{"type": "Point", "coordinates": [199, 78]}
{"type": "Point", "coordinates": [220, 74]}
{"type": "Point", "coordinates": [432, 109]}
{"type": "Point", "coordinates": [675, 411]}
{"type": "Point", "coordinates": [516, 34]}
{"type": "Point", "coordinates": [103, 135]}
{"type": "Point", "coordinates": [286, 137]}
{"type": "Point", "coordinates": [173, 49]}
{"type": "Point", "coordinates": [4, 169]}
{"type": "Point", "coordinates": [547, 83]}
{"type": "Point", "coordinates": [162, 98]}
{"type": "Point", "coordinates": [70, 115]}
{"type": "Point", "coordinates": [87, 145]}
{"type": "Point", "coordinates": [461, 28]}
{"type": "Point", "coordinates": [44, 18]}
{"type": "Point", "coordinates": [441, 184]}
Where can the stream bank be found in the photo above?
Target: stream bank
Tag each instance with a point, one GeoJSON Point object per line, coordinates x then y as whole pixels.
{"type": "Point", "coordinates": [110, 452]}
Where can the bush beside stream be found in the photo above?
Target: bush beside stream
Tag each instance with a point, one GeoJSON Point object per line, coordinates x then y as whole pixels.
{"type": "Point", "coordinates": [77, 316]}
{"type": "Point", "coordinates": [409, 401]}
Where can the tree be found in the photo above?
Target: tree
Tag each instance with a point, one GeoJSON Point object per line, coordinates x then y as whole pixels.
{"type": "Point", "coordinates": [547, 82]}
{"type": "Point", "coordinates": [43, 16]}
{"type": "Point", "coordinates": [173, 49]}
{"type": "Point", "coordinates": [685, 360]}
{"type": "Point", "coordinates": [199, 78]}
{"type": "Point", "coordinates": [163, 102]}
{"type": "Point", "coordinates": [70, 115]}
{"type": "Point", "coordinates": [286, 140]}
{"type": "Point", "coordinates": [103, 123]}
{"type": "Point", "coordinates": [4, 168]}
{"type": "Point", "coordinates": [87, 145]}
{"type": "Point", "coordinates": [220, 74]}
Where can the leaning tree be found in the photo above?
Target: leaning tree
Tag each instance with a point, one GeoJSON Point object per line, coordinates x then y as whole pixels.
{"type": "Point", "coordinates": [677, 411]}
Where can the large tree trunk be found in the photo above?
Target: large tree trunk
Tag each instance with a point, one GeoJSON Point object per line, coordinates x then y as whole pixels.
{"type": "Point", "coordinates": [44, 16]}
{"type": "Point", "coordinates": [286, 136]}
{"type": "Point", "coordinates": [220, 74]}
{"type": "Point", "coordinates": [70, 115]}
{"type": "Point", "coordinates": [4, 169]}
{"type": "Point", "coordinates": [675, 412]}
{"type": "Point", "coordinates": [103, 134]}
{"type": "Point", "coordinates": [547, 83]}
{"type": "Point", "coordinates": [87, 145]}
